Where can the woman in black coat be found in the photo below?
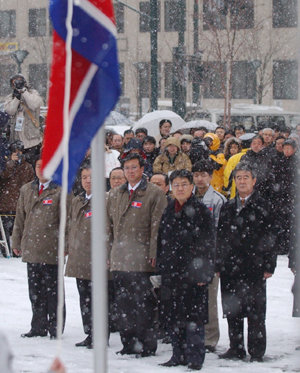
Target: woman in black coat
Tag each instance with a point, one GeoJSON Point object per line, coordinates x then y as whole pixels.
{"type": "Point", "coordinates": [185, 260]}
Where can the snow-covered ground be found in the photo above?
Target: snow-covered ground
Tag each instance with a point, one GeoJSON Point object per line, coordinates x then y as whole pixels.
{"type": "Point", "coordinates": [35, 355]}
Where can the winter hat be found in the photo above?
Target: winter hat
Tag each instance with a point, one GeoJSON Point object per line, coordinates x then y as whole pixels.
{"type": "Point", "coordinates": [172, 141]}
{"type": "Point", "coordinates": [215, 141]}
{"type": "Point", "coordinates": [187, 138]}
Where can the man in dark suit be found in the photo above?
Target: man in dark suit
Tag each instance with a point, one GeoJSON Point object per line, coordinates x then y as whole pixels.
{"type": "Point", "coordinates": [246, 258]}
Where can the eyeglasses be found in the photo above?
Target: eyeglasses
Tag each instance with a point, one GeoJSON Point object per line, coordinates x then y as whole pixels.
{"type": "Point", "coordinates": [177, 186]}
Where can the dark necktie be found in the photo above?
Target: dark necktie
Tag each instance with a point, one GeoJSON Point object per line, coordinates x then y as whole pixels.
{"type": "Point", "coordinates": [41, 189]}
{"type": "Point", "coordinates": [243, 202]}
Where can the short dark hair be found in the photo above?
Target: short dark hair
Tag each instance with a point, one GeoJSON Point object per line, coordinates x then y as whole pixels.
{"type": "Point", "coordinates": [245, 166]}
{"type": "Point", "coordinates": [182, 174]}
{"type": "Point", "coordinates": [203, 166]}
{"type": "Point", "coordinates": [239, 127]}
{"type": "Point", "coordinates": [141, 130]}
{"type": "Point", "coordinates": [149, 139]}
{"type": "Point", "coordinates": [127, 132]}
{"type": "Point", "coordinates": [166, 177]}
{"type": "Point", "coordinates": [280, 138]}
{"type": "Point", "coordinates": [115, 169]}
{"type": "Point", "coordinates": [286, 130]}
{"type": "Point", "coordinates": [202, 128]}
{"type": "Point", "coordinates": [85, 165]}
{"type": "Point", "coordinates": [163, 138]}
{"type": "Point", "coordinates": [220, 127]}
{"type": "Point", "coordinates": [164, 121]}
{"type": "Point", "coordinates": [132, 156]}
{"type": "Point", "coordinates": [258, 137]}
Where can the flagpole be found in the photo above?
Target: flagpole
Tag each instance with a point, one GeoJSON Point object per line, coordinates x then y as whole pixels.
{"type": "Point", "coordinates": [99, 275]}
{"type": "Point", "coordinates": [64, 190]}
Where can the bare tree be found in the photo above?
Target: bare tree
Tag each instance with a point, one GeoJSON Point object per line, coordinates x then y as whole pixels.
{"type": "Point", "coordinates": [231, 34]}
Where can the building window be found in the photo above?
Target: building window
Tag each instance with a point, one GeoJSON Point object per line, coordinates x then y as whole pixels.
{"type": "Point", "coordinates": [285, 80]}
{"type": "Point", "coordinates": [214, 74]}
{"type": "Point", "coordinates": [145, 17]}
{"type": "Point", "coordinates": [242, 14]}
{"type": "Point", "coordinates": [6, 72]}
{"type": "Point", "coordinates": [243, 80]}
{"type": "Point", "coordinates": [119, 17]}
{"type": "Point", "coordinates": [173, 15]}
{"type": "Point", "coordinates": [214, 14]}
{"type": "Point", "coordinates": [122, 77]}
{"type": "Point", "coordinates": [38, 78]}
{"type": "Point", "coordinates": [285, 13]}
{"type": "Point", "coordinates": [7, 24]}
{"type": "Point", "coordinates": [37, 22]}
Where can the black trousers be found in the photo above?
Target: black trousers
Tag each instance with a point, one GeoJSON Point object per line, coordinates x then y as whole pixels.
{"type": "Point", "coordinates": [85, 299]}
{"type": "Point", "coordinates": [256, 334]}
{"type": "Point", "coordinates": [188, 343]}
{"type": "Point", "coordinates": [135, 303]}
{"type": "Point", "coordinates": [42, 284]}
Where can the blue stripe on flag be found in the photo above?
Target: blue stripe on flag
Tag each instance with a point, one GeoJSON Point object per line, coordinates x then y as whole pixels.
{"type": "Point", "coordinates": [102, 96]}
{"type": "Point", "coordinates": [90, 39]}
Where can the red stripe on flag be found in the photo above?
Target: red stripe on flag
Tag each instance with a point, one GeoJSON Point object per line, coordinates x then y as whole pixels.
{"type": "Point", "coordinates": [80, 67]}
{"type": "Point", "coordinates": [105, 6]}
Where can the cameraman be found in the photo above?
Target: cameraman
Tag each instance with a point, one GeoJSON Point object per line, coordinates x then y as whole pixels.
{"type": "Point", "coordinates": [23, 104]}
{"type": "Point", "coordinates": [16, 173]}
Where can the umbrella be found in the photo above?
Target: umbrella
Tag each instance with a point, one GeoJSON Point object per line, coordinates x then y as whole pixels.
{"type": "Point", "coordinates": [151, 121]}
{"type": "Point", "coordinates": [210, 126]}
{"type": "Point", "coordinates": [117, 119]}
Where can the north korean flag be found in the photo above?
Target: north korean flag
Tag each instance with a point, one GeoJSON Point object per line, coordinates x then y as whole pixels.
{"type": "Point", "coordinates": [95, 83]}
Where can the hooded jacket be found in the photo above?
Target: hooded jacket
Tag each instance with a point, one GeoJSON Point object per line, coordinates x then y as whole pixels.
{"type": "Point", "coordinates": [164, 164]}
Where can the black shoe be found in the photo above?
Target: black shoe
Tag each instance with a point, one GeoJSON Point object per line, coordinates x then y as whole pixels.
{"type": "Point", "coordinates": [233, 355]}
{"type": "Point", "coordinates": [171, 363]}
{"type": "Point", "coordinates": [258, 359]}
{"type": "Point", "coordinates": [126, 351]}
{"type": "Point", "coordinates": [147, 353]}
{"type": "Point", "coordinates": [86, 343]}
{"type": "Point", "coordinates": [210, 349]}
{"type": "Point", "coordinates": [31, 334]}
{"type": "Point", "coordinates": [194, 366]}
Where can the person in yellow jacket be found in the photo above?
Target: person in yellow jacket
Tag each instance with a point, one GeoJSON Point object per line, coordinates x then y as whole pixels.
{"type": "Point", "coordinates": [219, 161]}
{"type": "Point", "coordinates": [229, 189]}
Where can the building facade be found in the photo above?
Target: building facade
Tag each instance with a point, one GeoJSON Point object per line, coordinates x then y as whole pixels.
{"type": "Point", "coordinates": [232, 51]}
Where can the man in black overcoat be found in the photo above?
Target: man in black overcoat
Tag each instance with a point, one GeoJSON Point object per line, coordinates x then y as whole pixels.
{"type": "Point", "coordinates": [246, 258]}
{"type": "Point", "coordinates": [185, 260]}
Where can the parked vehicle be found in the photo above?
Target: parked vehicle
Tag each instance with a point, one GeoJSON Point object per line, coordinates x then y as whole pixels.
{"type": "Point", "coordinates": [251, 116]}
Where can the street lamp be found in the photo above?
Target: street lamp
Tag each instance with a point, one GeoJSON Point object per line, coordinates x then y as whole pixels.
{"type": "Point", "coordinates": [19, 56]}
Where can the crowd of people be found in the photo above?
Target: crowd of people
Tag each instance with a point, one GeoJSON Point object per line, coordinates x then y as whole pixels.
{"type": "Point", "coordinates": [184, 212]}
